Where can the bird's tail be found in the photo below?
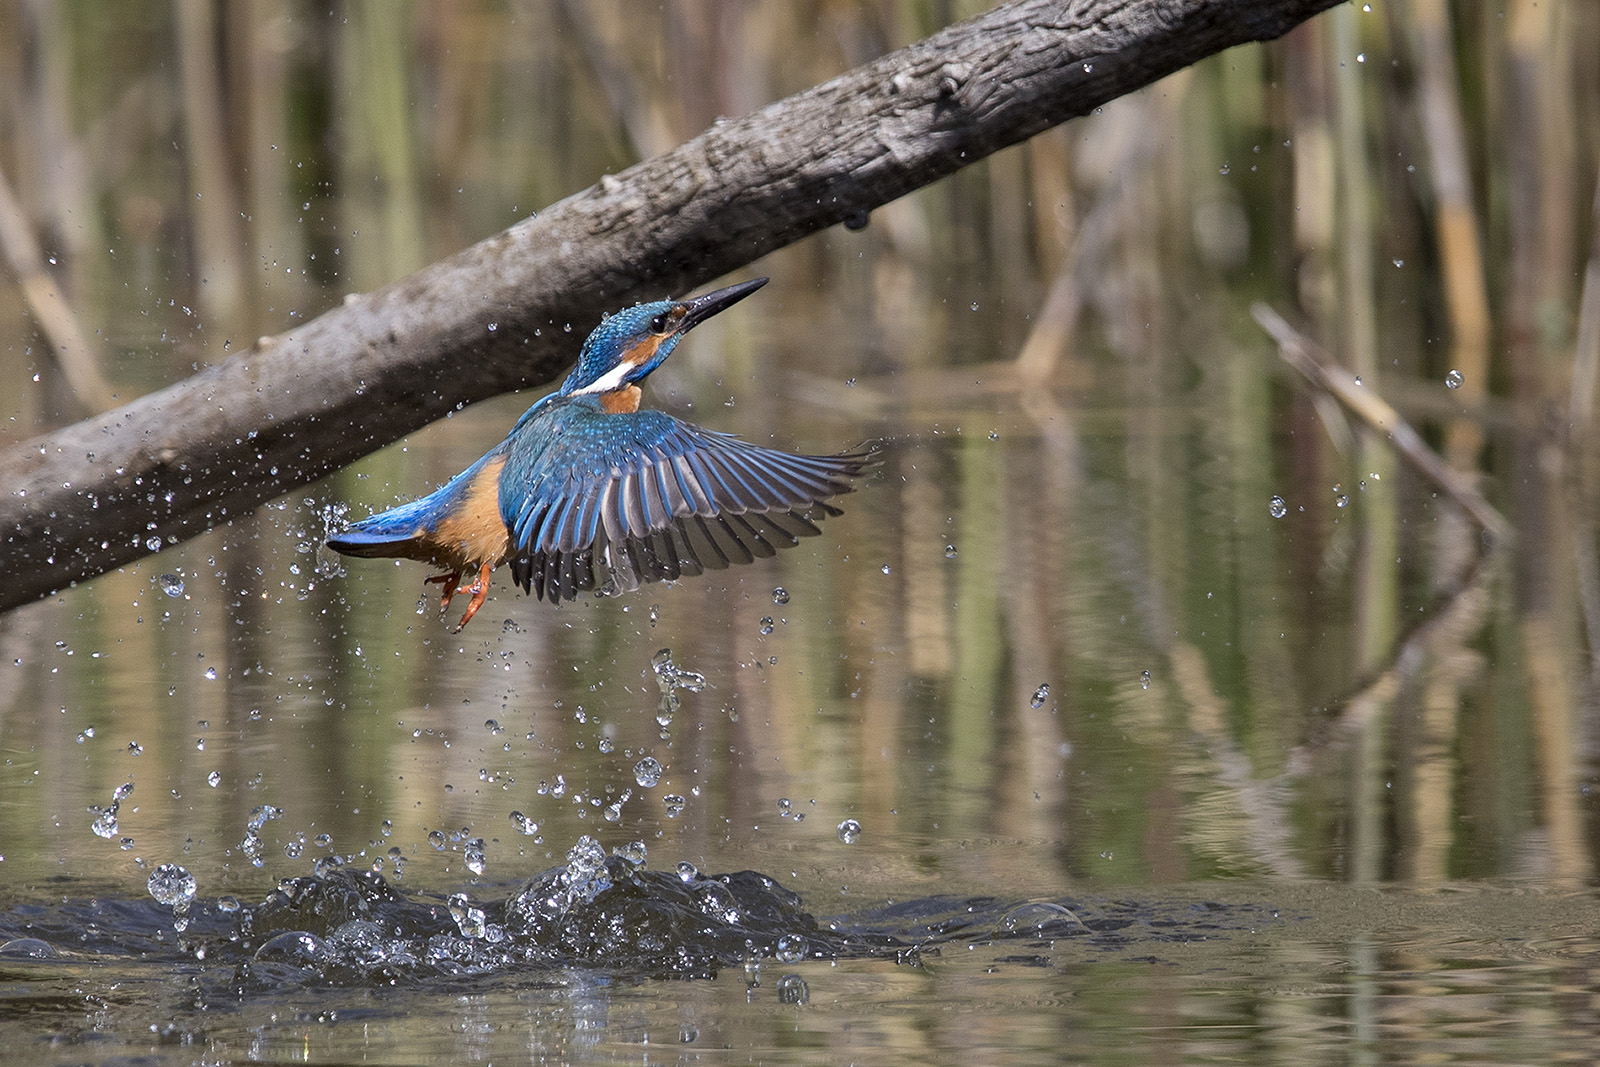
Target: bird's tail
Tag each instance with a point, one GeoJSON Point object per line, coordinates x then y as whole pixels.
{"type": "Point", "coordinates": [386, 534]}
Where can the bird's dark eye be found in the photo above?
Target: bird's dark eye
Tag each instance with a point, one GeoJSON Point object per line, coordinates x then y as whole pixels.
{"type": "Point", "coordinates": [658, 324]}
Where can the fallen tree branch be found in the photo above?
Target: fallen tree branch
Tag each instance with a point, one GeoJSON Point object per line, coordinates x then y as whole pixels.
{"type": "Point", "coordinates": [490, 319]}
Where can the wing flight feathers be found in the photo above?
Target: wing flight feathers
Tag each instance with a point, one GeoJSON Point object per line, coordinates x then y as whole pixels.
{"type": "Point", "coordinates": [646, 497]}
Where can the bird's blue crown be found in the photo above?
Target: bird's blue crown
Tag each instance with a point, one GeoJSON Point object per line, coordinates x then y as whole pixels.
{"type": "Point", "coordinates": [610, 358]}
{"type": "Point", "coordinates": [626, 347]}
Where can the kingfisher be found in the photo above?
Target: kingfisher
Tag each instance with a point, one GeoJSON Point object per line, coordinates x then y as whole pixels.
{"type": "Point", "coordinates": [588, 492]}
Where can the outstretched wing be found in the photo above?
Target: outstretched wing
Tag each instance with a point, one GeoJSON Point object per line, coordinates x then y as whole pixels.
{"type": "Point", "coordinates": [610, 501]}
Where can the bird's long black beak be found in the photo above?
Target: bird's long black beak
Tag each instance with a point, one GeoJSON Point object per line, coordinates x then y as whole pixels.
{"type": "Point", "coordinates": [701, 308]}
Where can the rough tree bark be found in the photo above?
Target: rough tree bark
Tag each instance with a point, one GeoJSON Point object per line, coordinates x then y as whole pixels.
{"type": "Point", "coordinates": [81, 500]}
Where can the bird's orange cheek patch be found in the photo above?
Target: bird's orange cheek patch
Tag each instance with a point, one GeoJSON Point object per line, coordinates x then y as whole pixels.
{"type": "Point", "coordinates": [644, 351]}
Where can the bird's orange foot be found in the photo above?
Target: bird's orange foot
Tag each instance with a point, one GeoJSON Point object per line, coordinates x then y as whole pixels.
{"type": "Point", "coordinates": [449, 581]}
{"type": "Point", "coordinates": [480, 591]}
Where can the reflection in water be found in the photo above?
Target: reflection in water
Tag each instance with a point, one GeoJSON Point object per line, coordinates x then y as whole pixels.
{"type": "Point", "coordinates": [1125, 610]}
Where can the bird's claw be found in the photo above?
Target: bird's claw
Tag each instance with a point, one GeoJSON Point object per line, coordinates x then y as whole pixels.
{"type": "Point", "coordinates": [479, 590]}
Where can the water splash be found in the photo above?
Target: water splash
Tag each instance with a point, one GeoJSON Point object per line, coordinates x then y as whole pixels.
{"type": "Point", "coordinates": [669, 679]}
{"type": "Point", "coordinates": [105, 819]}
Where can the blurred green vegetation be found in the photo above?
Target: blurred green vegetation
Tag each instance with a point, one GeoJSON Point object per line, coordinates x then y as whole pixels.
{"type": "Point", "coordinates": [1085, 426]}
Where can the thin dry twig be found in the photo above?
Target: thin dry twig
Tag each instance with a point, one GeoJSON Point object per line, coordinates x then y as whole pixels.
{"type": "Point", "coordinates": [68, 343]}
{"type": "Point", "coordinates": [1361, 401]}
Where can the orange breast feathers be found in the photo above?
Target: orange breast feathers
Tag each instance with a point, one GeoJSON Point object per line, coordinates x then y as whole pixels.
{"type": "Point", "coordinates": [472, 532]}
{"type": "Point", "coordinates": [622, 401]}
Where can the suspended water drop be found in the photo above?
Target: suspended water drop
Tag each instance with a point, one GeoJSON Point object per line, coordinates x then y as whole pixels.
{"type": "Point", "coordinates": [1040, 695]}
{"type": "Point", "coordinates": [949, 551]}
{"type": "Point", "coordinates": [1144, 679]}
{"type": "Point", "coordinates": [153, 543]}
{"type": "Point", "coordinates": [687, 871]}
{"type": "Point", "coordinates": [469, 920]}
{"type": "Point", "coordinates": [1277, 507]}
{"type": "Point", "coordinates": [790, 949]}
{"type": "Point", "coordinates": [1453, 380]}
{"type": "Point", "coordinates": [766, 624]}
{"type": "Point", "coordinates": [105, 822]}
{"type": "Point", "coordinates": [674, 803]}
{"type": "Point", "coordinates": [780, 595]}
{"type": "Point", "coordinates": [474, 856]}
{"type": "Point", "coordinates": [1339, 498]}
{"type": "Point", "coordinates": [634, 853]}
{"type": "Point", "coordinates": [647, 772]}
{"type": "Point", "coordinates": [792, 989]}
{"type": "Point", "coordinates": [171, 584]}
{"type": "Point", "coordinates": [525, 826]}
{"type": "Point", "coordinates": [171, 885]}
{"type": "Point", "coordinates": [214, 779]}
{"type": "Point", "coordinates": [848, 831]}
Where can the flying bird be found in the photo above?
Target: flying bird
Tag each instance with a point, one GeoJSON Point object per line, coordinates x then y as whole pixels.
{"type": "Point", "coordinates": [588, 492]}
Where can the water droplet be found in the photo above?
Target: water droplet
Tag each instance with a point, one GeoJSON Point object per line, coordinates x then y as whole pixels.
{"type": "Point", "coordinates": [525, 826]}
{"type": "Point", "coordinates": [687, 871]}
{"type": "Point", "coordinates": [1144, 679]}
{"type": "Point", "coordinates": [790, 949]}
{"type": "Point", "coordinates": [848, 831]}
{"type": "Point", "coordinates": [1453, 380]}
{"type": "Point", "coordinates": [436, 839]}
{"type": "Point", "coordinates": [1040, 695]}
{"type": "Point", "coordinates": [884, 568]}
{"type": "Point", "coordinates": [171, 584]}
{"type": "Point", "coordinates": [647, 772]}
{"type": "Point", "coordinates": [211, 674]}
{"type": "Point", "coordinates": [171, 885]}
{"type": "Point", "coordinates": [1361, 57]}
{"type": "Point", "coordinates": [766, 624]}
{"type": "Point", "coordinates": [474, 856]}
{"type": "Point", "coordinates": [949, 551]}
{"type": "Point", "coordinates": [1399, 263]}
{"type": "Point", "coordinates": [674, 803]}
{"type": "Point", "coordinates": [1277, 507]}
{"type": "Point", "coordinates": [493, 326]}
{"type": "Point", "coordinates": [214, 779]}
{"type": "Point", "coordinates": [153, 543]}
{"type": "Point", "coordinates": [780, 595]}
{"type": "Point", "coordinates": [1339, 498]}
{"type": "Point", "coordinates": [994, 435]}
{"type": "Point", "coordinates": [1223, 170]}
